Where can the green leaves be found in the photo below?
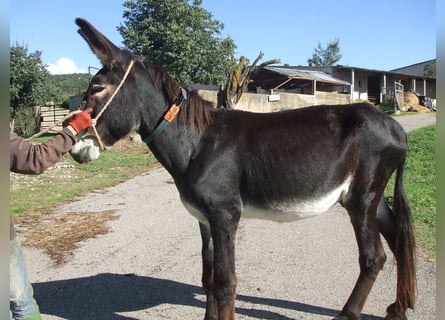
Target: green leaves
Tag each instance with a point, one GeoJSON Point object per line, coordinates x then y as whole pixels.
{"type": "Point", "coordinates": [180, 36]}
{"type": "Point", "coordinates": [28, 86]}
{"type": "Point", "coordinates": [430, 69]}
{"type": "Point", "coordinates": [326, 57]}
{"type": "Point", "coordinates": [27, 77]}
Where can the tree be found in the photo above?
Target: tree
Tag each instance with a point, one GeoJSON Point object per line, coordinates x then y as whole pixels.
{"type": "Point", "coordinates": [238, 79]}
{"type": "Point", "coordinates": [430, 69]}
{"type": "Point", "coordinates": [180, 36]}
{"type": "Point", "coordinates": [28, 87]}
{"type": "Point", "coordinates": [326, 57]}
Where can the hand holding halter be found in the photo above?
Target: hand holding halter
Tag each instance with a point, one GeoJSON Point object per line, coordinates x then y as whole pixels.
{"type": "Point", "coordinates": [81, 120]}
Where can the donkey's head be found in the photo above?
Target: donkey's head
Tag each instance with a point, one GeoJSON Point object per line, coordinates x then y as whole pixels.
{"type": "Point", "coordinates": [111, 94]}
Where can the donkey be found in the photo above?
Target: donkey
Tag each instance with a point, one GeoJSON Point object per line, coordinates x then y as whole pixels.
{"type": "Point", "coordinates": [281, 166]}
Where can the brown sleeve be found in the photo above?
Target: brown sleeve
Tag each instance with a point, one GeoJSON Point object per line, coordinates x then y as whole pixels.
{"type": "Point", "coordinates": [29, 158]}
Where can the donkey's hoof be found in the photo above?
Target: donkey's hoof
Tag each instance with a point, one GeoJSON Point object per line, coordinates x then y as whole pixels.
{"type": "Point", "coordinates": [395, 313]}
{"type": "Point", "coordinates": [393, 316]}
{"type": "Point", "coordinates": [343, 317]}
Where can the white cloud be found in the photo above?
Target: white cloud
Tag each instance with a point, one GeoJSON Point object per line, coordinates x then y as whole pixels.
{"type": "Point", "coordinates": [64, 66]}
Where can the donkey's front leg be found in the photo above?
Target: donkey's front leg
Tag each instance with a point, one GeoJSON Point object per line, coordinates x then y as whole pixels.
{"type": "Point", "coordinates": [208, 272]}
{"type": "Point", "coordinates": [223, 233]}
{"type": "Point", "coordinates": [223, 227]}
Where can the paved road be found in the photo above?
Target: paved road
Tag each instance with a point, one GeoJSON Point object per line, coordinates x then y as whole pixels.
{"type": "Point", "coordinates": [148, 266]}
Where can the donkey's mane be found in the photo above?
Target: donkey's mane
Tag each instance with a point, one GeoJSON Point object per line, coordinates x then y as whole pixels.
{"type": "Point", "coordinates": [195, 111]}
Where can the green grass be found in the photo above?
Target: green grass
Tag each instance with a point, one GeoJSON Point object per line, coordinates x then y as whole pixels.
{"type": "Point", "coordinates": [389, 109]}
{"type": "Point", "coordinates": [420, 186]}
{"type": "Point", "coordinates": [36, 194]}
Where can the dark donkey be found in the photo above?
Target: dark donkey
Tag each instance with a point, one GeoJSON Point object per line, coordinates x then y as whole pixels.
{"type": "Point", "coordinates": [282, 166]}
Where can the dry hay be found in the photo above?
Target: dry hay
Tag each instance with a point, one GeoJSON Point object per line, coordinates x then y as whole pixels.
{"type": "Point", "coordinates": [412, 103]}
{"type": "Point", "coordinates": [61, 234]}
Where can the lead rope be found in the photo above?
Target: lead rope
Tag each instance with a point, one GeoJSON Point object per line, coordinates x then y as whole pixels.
{"type": "Point", "coordinates": [94, 121]}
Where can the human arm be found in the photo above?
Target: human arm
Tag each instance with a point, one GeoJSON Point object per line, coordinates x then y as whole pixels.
{"type": "Point", "coordinates": [29, 158]}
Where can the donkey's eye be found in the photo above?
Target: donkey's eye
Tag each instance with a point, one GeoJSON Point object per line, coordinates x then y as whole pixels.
{"type": "Point", "coordinates": [96, 89]}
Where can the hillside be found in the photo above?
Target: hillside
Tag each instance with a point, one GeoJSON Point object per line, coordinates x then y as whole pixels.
{"type": "Point", "coordinates": [69, 85]}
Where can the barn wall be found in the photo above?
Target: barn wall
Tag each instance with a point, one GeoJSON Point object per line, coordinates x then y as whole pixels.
{"type": "Point", "coordinates": [260, 102]}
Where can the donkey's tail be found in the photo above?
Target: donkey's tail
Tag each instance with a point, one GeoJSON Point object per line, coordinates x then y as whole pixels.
{"type": "Point", "coordinates": [405, 248]}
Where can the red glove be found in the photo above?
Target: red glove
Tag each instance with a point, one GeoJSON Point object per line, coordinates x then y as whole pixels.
{"type": "Point", "coordinates": [81, 121]}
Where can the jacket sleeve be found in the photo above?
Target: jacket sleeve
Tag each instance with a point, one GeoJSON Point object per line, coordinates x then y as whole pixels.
{"type": "Point", "coordinates": [29, 158]}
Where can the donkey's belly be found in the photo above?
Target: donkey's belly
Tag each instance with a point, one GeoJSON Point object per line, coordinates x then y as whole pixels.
{"type": "Point", "coordinates": [284, 211]}
{"type": "Point", "coordinates": [289, 210]}
{"type": "Point", "coordinates": [295, 209]}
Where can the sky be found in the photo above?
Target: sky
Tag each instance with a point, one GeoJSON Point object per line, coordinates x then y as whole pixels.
{"type": "Point", "coordinates": [378, 34]}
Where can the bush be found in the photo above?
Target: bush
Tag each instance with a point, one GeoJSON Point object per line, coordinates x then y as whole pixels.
{"type": "Point", "coordinates": [25, 122]}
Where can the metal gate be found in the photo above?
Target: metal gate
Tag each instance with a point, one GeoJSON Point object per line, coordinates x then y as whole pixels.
{"type": "Point", "coordinates": [399, 91]}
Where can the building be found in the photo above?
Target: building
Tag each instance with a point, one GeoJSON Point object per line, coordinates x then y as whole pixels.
{"type": "Point", "coordinates": [358, 84]}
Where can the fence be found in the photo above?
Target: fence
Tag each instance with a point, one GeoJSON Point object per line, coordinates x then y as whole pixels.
{"type": "Point", "coordinates": [399, 94]}
{"type": "Point", "coordinates": [49, 115]}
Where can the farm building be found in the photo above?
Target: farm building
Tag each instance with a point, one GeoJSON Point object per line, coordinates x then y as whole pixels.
{"type": "Point", "coordinates": [276, 88]}
{"type": "Point", "coordinates": [375, 86]}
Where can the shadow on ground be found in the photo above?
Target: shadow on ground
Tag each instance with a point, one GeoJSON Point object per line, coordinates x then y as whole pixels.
{"type": "Point", "coordinates": [102, 296]}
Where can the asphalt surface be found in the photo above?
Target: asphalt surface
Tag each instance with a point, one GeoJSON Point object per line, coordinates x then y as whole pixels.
{"type": "Point", "coordinates": [149, 266]}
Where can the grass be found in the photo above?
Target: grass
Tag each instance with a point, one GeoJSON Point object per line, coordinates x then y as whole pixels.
{"type": "Point", "coordinates": [38, 194]}
{"type": "Point", "coordinates": [390, 110]}
{"type": "Point", "coordinates": [420, 185]}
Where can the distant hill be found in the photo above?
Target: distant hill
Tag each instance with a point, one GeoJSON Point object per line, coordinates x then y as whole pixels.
{"type": "Point", "coordinates": [68, 85]}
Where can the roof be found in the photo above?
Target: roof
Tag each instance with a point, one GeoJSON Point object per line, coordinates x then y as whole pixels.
{"type": "Point", "coordinates": [302, 74]}
{"type": "Point", "coordinates": [400, 71]}
{"type": "Point", "coordinates": [416, 70]}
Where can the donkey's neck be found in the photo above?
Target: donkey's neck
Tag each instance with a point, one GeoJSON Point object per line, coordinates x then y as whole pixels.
{"type": "Point", "coordinates": [174, 146]}
{"type": "Point", "coordinates": [179, 141]}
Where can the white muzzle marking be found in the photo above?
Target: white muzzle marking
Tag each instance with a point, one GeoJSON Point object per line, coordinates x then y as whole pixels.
{"type": "Point", "coordinates": [86, 149]}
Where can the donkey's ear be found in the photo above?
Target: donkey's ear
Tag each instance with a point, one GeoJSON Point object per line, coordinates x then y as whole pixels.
{"type": "Point", "coordinates": [104, 49]}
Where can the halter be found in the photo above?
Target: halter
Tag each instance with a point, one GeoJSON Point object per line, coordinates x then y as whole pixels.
{"type": "Point", "coordinates": [171, 114]}
{"type": "Point", "coordinates": [168, 117]}
{"type": "Point", "coordinates": [94, 120]}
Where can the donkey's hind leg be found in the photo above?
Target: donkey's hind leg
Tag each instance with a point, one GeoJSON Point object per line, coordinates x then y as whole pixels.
{"type": "Point", "coordinates": [208, 272]}
{"type": "Point", "coordinates": [386, 221]}
{"type": "Point", "coordinates": [372, 257]}
{"type": "Point", "coordinates": [387, 227]}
